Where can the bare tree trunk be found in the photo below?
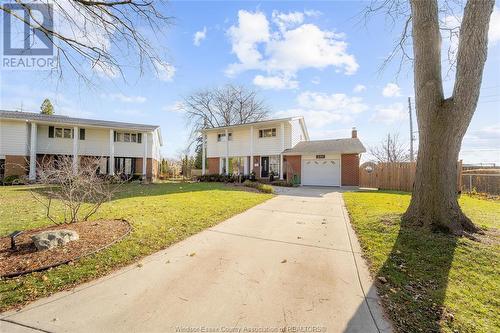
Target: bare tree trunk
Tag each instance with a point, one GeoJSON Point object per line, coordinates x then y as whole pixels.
{"type": "Point", "coordinates": [443, 122]}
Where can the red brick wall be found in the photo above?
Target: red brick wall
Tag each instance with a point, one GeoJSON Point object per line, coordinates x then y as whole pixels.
{"type": "Point", "coordinates": [16, 165]}
{"type": "Point", "coordinates": [151, 168]}
{"type": "Point", "coordinates": [292, 166]}
{"type": "Point", "coordinates": [350, 169]}
{"type": "Point", "coordinates": [213, 165]}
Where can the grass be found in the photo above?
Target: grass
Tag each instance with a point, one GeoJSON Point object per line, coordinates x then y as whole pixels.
{"type": "Point", "coordinates": [435, 282]}
{"type": "Point", "coordinates": [161, 214]}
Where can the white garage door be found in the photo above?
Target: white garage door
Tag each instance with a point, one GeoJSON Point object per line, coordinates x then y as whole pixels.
{"type": "Point", "coordinates": [321, 172]}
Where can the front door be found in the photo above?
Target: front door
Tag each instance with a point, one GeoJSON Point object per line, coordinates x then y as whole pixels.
{"type": "Point", "coordinates": [264, 162]}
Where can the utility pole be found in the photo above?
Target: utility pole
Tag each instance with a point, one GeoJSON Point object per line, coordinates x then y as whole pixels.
{"type": "Point", "coordinates": [411, 130]}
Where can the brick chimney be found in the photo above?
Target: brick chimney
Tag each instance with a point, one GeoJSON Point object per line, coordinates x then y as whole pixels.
{"type": "Point", "coordinates": [354, 133]}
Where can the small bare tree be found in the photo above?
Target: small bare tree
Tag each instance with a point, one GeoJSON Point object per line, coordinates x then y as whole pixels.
{"type": "Point", "coordinates": [82, 191]}
{"type": "Point", "coordinates": [390, 150]}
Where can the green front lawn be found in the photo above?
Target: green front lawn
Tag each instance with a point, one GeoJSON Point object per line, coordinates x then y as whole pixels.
{"type": "Point", "coordinates": [161, 214]}
{"type": "Point", "coordinates": [435, 282]}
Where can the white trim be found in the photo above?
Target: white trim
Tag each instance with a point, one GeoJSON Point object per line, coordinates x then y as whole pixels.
{"type": "Point", "coordinates": [145, 157]}
{"type": "Point", "coordinates": [227, 151]}
{"type": "Point", "coordinates": [203, 154]}
{"type": "Point", "coordinates": [76, 137]}
{"type": "Point", "coordinates": [111, 164]}
{"type": "Point", "coordinates": [33, 143]}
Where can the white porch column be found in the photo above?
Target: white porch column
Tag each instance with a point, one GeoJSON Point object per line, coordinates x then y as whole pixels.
{"type": "Point", "coordinates": [145, 157]}
{"type": "Point", "coordinates": [76, 135]}
{"type": "Point", "coordinates": [111, 163]}
{"type": "Point", "coordinates": [227, 152]}
{"type": "Point", "coordinates": [33, 142]}
{"type": "Point", "coordinates": [245, 166]}
{"type": "Point", "coordinates": [282, 135]}
{"type": "Point", "coordinates": [203, 156]}
{"type": "Point", "coordinates": [251, 149]}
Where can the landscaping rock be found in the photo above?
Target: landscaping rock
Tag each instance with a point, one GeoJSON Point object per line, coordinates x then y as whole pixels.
{"type": "Point", "coordinates": [50, 239]}
{"type": "Point", "coordinates": [382, 279]}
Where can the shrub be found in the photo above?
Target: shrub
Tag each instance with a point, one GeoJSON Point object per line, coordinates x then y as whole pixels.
{"type": "Point", "coordinates": [217, 178]}
{"type": "Point", "coordinates": [282, 183]}
{"type": "Point", "coordinates": [14, 180]}
{"type": "Point", "coordinates": [261, 187]}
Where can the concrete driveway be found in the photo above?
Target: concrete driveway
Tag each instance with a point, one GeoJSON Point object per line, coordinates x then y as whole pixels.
{"type": "Point", "coordinates": [291, 263]}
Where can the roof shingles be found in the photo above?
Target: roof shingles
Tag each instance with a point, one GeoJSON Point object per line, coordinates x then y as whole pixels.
{"type": "Point", "coordinates": [57, 119]}
{"type": "Point", "coordinates": [343, 146]}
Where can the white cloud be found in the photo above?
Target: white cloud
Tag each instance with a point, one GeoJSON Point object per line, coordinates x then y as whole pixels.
{"type": "Point", "coordinates": [359, 88]}
{"type": "Point", "coordinates": [320, 109]}
{"type": "Point", "coordinates": [391, 90]}
{"type": "Point", "coordinates": [494, 32]}
{"type": "Point", "coordinates": [316, 80]}
{"type": "Point", "coordinates": [252, 28]}
{"type": "Point", "coordinates": [164, 71]}
{"type": "Point", "coordinates": [199, 36]}
{"type": "Point", "coordinates": [320, 134]}
{"type": "Point", "coordinates": [176, 107]}
{"type": "Point", "coordinates": [285, 21]}
{"type": "Point", "coordinates": [312, 12]}
{"type": "Point", "coordinates": [106, 70]}
{"type": "Point", "coordinates": [291, 48]}
{"type": "Point", "coordinates": [389, 114]}
{"type": "Point", "coordinates": [124, 98]}
{"type": "Point", "coordinates": [337, 103]}
{"type": "Point", "coordinates": [275, 82]}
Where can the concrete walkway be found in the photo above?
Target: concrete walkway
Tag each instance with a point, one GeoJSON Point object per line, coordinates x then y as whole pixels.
{"type": "Point", "coordinates": [292, 262]}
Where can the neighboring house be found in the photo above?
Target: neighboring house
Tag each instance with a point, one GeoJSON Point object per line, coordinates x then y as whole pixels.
{"type": "Point", "coordinates": [25, 138]}
{"type": "Point", "coordinates": [282, 147]}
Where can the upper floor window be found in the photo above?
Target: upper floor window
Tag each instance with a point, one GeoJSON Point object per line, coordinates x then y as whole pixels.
{"type": "Point", "coordinates": [267, 133]}
{"type": "Point", "coordinates": [60, 132]}
{"type": "Point", "coordinates": [127, 137]}
{"type": "Point", "coordinates": [221, 137]}
{"type": "Point", "coordinates": [65, 133]}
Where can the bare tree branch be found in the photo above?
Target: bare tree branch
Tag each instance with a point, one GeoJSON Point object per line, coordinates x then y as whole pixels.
{"type": "Point", "coordinates": [100, 33]}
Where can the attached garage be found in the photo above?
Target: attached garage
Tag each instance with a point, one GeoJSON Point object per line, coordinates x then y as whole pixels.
{"type": "Point", "coordinates": [320, 171]}
{"type": "Point", "coordinates": [325, 162]}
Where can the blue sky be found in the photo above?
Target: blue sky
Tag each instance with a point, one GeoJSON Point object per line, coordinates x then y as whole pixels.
{"type": "Point", "coordinates": [316, 59]}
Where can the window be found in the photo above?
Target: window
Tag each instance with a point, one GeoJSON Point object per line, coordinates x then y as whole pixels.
{"type": "Point", "coordinates": [221, 137]}
{"type": "Point", "coordinates": [267, 133]}
{"type": "Point", "coordinates": [274, 164]}
{"type": "Point", "coordinates": [82, 133]}
{"type": "Point", "coordinates": [67, 133]}
{"type": "Point", "coordinates": [128, 137]}
{"type": "Point", "coordinates": [61, 133]}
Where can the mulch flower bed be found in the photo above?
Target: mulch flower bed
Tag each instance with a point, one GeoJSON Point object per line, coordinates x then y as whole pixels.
{"type": "Point", "coordinates": [94, 236]}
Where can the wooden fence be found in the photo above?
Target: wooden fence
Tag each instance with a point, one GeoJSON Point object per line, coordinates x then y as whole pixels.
{"type": "Point", "coordinates": [393, 176]}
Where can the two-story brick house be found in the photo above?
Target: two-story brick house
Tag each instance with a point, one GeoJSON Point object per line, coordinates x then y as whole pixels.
{"type": "Point", "coordinates": [282, 147]}
{"type": "Point", "coordinates": [25, 138]}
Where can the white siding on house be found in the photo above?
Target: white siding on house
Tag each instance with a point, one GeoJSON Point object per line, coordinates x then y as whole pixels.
{"type": "Point", "coordinates": [267, 146]}
{"type": "Point", "coordinates": [297, 133]}
{"type": "Point", "coordinates": [96, 143]}
{"type": "Point", "coordinates": [134, 149]}
{"type": "Point", "coordinates": [240, 143]}
{"type": "Point", "coordinates": [14, 138]}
